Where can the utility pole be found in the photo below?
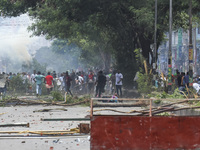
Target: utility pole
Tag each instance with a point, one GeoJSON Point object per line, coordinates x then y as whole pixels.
{"type": "Point", "coordinates": [155, 45]}
{"type": "Point", "coordinates": [170, 49]}
{"type": "Point", "coordinates": [195, 52]}
{"type": "Point", "coordinates": [190, 44]}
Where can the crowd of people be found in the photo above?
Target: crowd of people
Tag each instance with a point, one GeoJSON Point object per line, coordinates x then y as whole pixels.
{"type": "Point", "coordinates": [182, 81]}
{"type": "Point", "coordinates": [92, 82]}
{"type": "Point", "coordinates": [75, 82]}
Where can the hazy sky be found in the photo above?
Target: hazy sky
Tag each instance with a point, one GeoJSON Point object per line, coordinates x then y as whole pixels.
{"type": "Point", "coordinates": [15, 40]}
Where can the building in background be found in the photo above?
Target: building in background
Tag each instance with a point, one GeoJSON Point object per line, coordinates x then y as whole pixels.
{"type": "Point", "coordinates": [180, 52]}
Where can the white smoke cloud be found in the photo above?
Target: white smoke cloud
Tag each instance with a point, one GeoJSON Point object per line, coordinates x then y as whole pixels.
{"type": "Point", "coordinates": [15, 49]}
{"type": "Point", "coordinates": [15, 40]}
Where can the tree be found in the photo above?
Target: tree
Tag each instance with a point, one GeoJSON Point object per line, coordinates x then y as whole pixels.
{"type": "Point", "coordinates": [113, 27]}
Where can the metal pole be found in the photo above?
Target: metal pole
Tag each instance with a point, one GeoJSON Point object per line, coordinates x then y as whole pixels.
{"type": "Point", "coordinates": [170, 49]}
{"type": "Point", "coordinates": [195, 52]}
{"type": "Point", "coordinates": [155, 44]}
{"type": "Point", "coordinates": [65, 119]}
{"type": "Point", "coordinates": [190, 44]}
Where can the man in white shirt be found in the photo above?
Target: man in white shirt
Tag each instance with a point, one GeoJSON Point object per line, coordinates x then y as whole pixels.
{"type": "Point", "coordinates": [119, 78]}
{"type": "Point", "coordinates": [33, 80]}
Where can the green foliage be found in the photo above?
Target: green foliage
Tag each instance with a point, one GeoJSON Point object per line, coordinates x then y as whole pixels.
{"type": "Point", "coordinates": [144, 83]}
{"type": "Point", "coordinates": [162, 94]}
{"type": "Point", "coordinates": [16, 84]}
{"type": "Point", "coordinates": [44, 89]}
{"type": "Point", "coordinates": [71, 100]}
{"type": "Point", "coordinates": [196, 103]}
{"type": "Point", "coordinates": [57, 95]}
{"type": "Point", "coordinates": [157, 101]}
{"type": "Point", "coordinates": [144, 80]}
{"type": "Point", "coordinates": [175, 95]}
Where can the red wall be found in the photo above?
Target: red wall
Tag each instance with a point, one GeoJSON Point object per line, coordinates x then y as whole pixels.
{"type": "Point", "coordinates": [143, 133]}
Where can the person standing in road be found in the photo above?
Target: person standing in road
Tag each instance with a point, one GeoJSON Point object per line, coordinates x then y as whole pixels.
{"type": "Point", "coordinates": [90, 82]}
{"type": "Point", "coordinates": [67, 80]}
{"type": "Point", "coordinates": [118, 83]}
{"type": "Point", "coordinates": [39, 79]}
{"type": "Point", "coordinates": [101, 82]}
{"type": "Point", "coordinates": [187, 80]}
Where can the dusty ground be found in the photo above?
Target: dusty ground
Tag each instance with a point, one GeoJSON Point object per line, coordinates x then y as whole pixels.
{"type": "Point", "coordinates": [27, 114]}
{"type": "Point", "coordinates": [19, 114]}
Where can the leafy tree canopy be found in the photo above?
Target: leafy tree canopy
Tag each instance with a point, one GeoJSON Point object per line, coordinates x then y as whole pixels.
{"type": "Point", "coordinates": [114, 27]}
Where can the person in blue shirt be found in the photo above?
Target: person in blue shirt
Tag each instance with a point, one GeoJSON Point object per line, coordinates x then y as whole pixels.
{"type": "Point", "coordinates": [39, 80]}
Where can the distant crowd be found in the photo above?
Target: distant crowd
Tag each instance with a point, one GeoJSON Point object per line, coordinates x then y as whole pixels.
{"type": "Point", "coordinates": [75, 82]}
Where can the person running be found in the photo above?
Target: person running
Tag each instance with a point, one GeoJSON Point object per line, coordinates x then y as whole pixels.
{"type": "Point", "coordinates": [62, 86]}
{"type": "Point", "coordinates": [67, 80]}
{"type": "Point", "coordinates": [49, 83]}
{"type": "Point", "coordinates": [39, 79]}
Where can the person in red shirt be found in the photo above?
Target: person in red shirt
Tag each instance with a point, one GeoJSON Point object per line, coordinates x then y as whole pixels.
{"type": "Point", "coordinates": [90, 82]}
{"type": "Point", "coordinates": [49, 83]}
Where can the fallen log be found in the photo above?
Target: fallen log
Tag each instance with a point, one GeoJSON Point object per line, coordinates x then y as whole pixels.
{"type": "Point", "coordinates": [184, 101]}
{"type": "Point", "coordinates": [174, 109]}
{"type": "Point", "coordinates": [132, 111]}
{"type": "Point", "coordinates": [138, 104]}
{"type": "Point", "coordinates": [37, 102]}
{"type": "Point", "coordinates": [164, 110]}
{"type": "Point", "coordinates": [47, 110]}
{"type": "Point", "coordinates": [77, 103]}
{"type": "Point", "coordinates": [189, 107]}
{"type": "Point", "coordinates": [129, 112]}
{"type": "Point", "coordinates": [146, 111]}
{"type": "Point", "coordinates": [14, 124]}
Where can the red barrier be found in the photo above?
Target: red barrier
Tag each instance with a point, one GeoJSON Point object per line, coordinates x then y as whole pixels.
{"type": "Point", "coordinates": [142, 133]}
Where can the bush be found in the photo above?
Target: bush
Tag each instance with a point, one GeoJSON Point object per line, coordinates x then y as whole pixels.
{"type": "Point", "coordinates": [71, 100]}
{"type": "Point", "coordinates": [16, 84]}
{"type": "Point", "coordinates": [57, 96]}
{"type": "Point", "coordinates": [144, 82]}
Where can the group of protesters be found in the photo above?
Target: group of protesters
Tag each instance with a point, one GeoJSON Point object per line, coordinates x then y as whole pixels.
{"type": "Point", "coordinates": [93, 82]}
{"type": "Point", "coordinates": [182, 81]}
